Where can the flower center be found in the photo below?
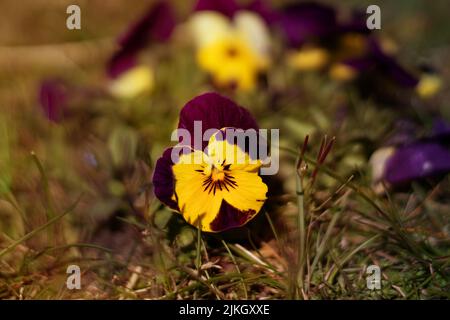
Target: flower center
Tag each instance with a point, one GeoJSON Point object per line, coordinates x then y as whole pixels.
{"type": "Point", "coordinates": [218, 178]}
{"type": "Point", "coordinates": [232, 52]}
{"type": "Point", "coordinates": [217, 174]}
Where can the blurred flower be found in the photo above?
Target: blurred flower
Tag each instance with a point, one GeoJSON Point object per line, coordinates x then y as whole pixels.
{"type": "Point", "coordinates": [53, 97]}
{"type": "Point", "coordinates": [307, 22]}
{"type": "Point", "coordinates": [429, 84]}
{"type": "Point", "coordinates": [133, 82]}
{"type": "Point", "coordinates": [155, 26]}
{"type": "Point", "coordinates": [232, 44]}
{"type": "Point", "coordinates": [418, 159]}
{"type": "Point", "coordinates": [214, 191]}
{"type": "Point", "coordinates": [309, 59]}
{"type": "Point", "coordinates": [346, 49]}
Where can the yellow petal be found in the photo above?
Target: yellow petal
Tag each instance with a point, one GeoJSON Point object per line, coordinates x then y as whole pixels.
{"type": "Point", "coordinates": [250, 193]}
{"type": "Point", "coordinates": [308, 59]}
{"type": "Point", "coordinates": [254, 31]}
{"type": "Point", "coordinates": [428, 85]}
{"type": "Point", "coordinates": [208, 26]}
{"type": "Point", "coordinates": [134, 82]}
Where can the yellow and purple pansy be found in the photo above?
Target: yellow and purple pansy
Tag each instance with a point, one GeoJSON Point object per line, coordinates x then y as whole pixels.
{"type": "Point", "coordinates": [216, 185]}
{"type": "Point", "coordinates": [232, 42]}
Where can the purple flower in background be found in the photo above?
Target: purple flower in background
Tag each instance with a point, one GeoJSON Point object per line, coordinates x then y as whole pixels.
{"type": "Point", "coordinates": [417, 159]}
{"type": "Point", "coordinates": [306, 22]}
{"type": "Point", "coordinates": [156, 25]}
{"type": "Point", "coordinates": [347, 47]}
{"type": "Point", "coordinates": [53, 97]}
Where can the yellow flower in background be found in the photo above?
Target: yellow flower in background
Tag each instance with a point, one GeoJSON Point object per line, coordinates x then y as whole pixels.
{"type": "Point", "coordinates": [133, 82]}
{"type": "Point", "coordinates": [308, 59]}
{"type": "Point", "coordinates": [234, 52]}
{"type": "Point", "coordinates": [342, 72]}
{"type": "Point", "coordinates": [225, 176]}
{"type": "Point", "coordinates": [429, 85]}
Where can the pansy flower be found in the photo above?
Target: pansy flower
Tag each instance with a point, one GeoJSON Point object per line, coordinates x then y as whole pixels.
{"type": "Point", "coordinates": [415, 159]}
{"type": "Point", "coordinates": [232, 42]}
{"type": "Point", "coordinates": [345, 49]}
{"type": "Point", "coordinates": [128, 76]}
{"type": "Point", "coordinates": [215, 185]}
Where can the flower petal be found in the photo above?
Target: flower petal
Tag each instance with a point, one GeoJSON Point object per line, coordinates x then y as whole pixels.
{"type": "Point", "coordinates": [254, 31]}
{"type": "Point", "coordinates": [389, 66]}
{"type": "Point", "coordinates": [156, 25]}
{"type": "Point", "coordinates": [307, 21]}
{"type": "Point", "coordinates": [225, 7]}
{"type": "Point", "coordinates": [417, 161]}
{"type": "Point", "coordinates": [198, 206]}
{"type": "Point", "coordinates": [163, 179]}
{"type": "Point", "coordinates": [209, 26]}
{"type": "Point", "coordinates": [53, 95]}
{"type": "Point", "coordinates": [215, 112]}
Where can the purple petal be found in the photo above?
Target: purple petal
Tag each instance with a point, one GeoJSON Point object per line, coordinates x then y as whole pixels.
{"type": "Point", "coordinates": [156, 25]}
{"type": "Point", "coordinates": [362, 64]}
{"type": "Point", "coordinates": [388, 66]}
{"type": "Point", "coordinates": [356, 24]}
{"type": "Point", "coordinates": [230, 217]}
{"type": "Point", "coordinates": [163, 179]}
{"type": "Point", "coordinates": [225, 7]}
{"type": "Point", "coordinates": [417, 161]}
{"type": "Point", "coordinates": [441, 130]}
{"type": "Point", "coordinates": [307, 21]}
{"type": "Point", "coordinates": [53, 95]}
{"type": "Point", "coordinates": [120, 62]}
{"type": "Point", "coordinates": [266, 12]}
{"type": "Point", "coordinates": [215, 112]}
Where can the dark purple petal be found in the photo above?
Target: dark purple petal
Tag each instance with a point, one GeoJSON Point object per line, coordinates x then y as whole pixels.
{"type": "Point", "coordinates": [215, 112]}
{"type": "Point", "coordinates": [155, 26]}
{"type": "Point", "coordinates": [389, 67]}
{"type": "Point", "coordinates": [229, 217]}
{"type": "Point", "coordinates": [225, 7]}
{"type": "Point", "coordinates": [120, 62]}
{"type": "Point", "coordinates": [266, 12]}
{"type": "Point", "coordinates": [361, 64]}
{"type": "Point", "coordinates": [307, 21]}
{"type": "Point", "coordinates": [53, 95]}
{"type": "Point", "coordinates": [417, 161]}
{"type": "Point", "coordinates": [441, 130]}
{"type": "Point", "coordinates": [356, 24]}
{"type": "Point", "coordinates": [163, 179]}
